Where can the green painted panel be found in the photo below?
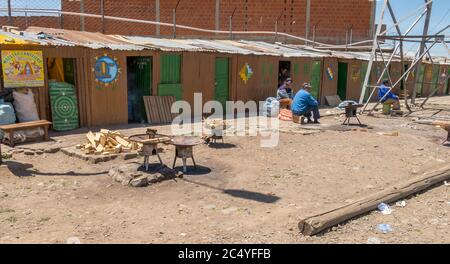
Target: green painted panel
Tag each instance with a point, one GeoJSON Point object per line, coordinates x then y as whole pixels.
{"type": "Point", "coordinates": [296, 69]}
{"type": "Point", "coordinates": [447, 82]}
{"type": "Point", "coordinates": [363, 73]}
{"type": "Point", "coordinates": [316, 75]}
{"type": "Point", "coordinates": [175, 90]}
{"type": "Point", "coordinates": [64, 106]}
{"type": "Point", "coordinates": [222, 80]}
{"type": "Point", "coordinates": [306, 68]}
{"type": "Point", "coordinates": [170, 68]}
{"type": "Point", "coordinates": [435, 78]}
{"type": "Point", "coordinates": [419, 84]}
{"type": "Point", "coordinates": [69, 71]}
{"type": "Point", "coordinates": [342, 80]}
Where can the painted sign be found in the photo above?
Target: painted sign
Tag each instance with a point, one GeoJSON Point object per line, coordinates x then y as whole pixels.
{"type": "Point", "coordinates": [355, 73]}
{"type": "Point", "coordinates": [106, 70]}
{"type": "Point", "coordinates": [330, 73]}
{"type": "Point", "coordinates": [22, 68]}
{"type": "Point", "coordinates": [246, 73]}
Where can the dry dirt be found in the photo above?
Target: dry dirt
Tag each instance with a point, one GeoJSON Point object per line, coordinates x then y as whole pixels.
{"type": "Point", "coordinates": [242, 193]}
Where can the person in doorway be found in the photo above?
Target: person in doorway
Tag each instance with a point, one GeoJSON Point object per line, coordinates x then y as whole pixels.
{"type": "Point", "coordinates": [283, 76]}
{"type": "Point", "coordinates": [388, 97]}
{"type": "Point", "coordinates": [284, 94]}
{"type": "Point", "coordinates": [306, 105]}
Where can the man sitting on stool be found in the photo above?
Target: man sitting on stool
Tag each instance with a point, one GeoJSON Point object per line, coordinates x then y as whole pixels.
{"type": "Point", "coordinates": [304, 104]}
{"type": "Point", "coordinates": [390, 98]}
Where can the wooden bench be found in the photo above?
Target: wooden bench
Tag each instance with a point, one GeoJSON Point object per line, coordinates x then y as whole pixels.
{"type": "Point", "coordinates": [10, 129]}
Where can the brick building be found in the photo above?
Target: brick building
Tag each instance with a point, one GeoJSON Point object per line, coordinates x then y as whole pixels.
{"type": "Point", "coordinates": [331, 21]}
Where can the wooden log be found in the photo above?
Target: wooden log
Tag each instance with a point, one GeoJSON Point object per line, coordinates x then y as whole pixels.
{"type": "Point", "coordinates": [91, 137]}
{"type": "Point", "coordinates": [317, 223]}
{"type": "Point", "coordinates": [122, 141]}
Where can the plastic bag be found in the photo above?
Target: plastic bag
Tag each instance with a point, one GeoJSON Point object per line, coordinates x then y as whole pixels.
{"type": "Point", "coordinates": [7, 114]}
{"type": "Point", "coordinates": [26, 109]}
{"type": "Point", "coordinates": [271, 107]}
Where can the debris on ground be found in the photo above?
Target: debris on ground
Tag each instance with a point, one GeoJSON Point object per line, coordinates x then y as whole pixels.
{"type": "Point", "coordinates": [384, 228]}
{"type": "Point", "coordinates": [384, 209]}
{"type": "Point", "coordinates": [392, 134]}
{"type": "Point", "coordinates": [401, 203]}
{"type": "Point", "coordinates": [108, 142]}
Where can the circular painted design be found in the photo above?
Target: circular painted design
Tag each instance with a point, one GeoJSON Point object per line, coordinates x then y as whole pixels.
{"type": "Point", "coordinates": [106, 69]}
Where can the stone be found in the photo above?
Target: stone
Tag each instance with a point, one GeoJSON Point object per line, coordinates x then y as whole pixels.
{"type": "Point", "coordinates": [128, 156]}
{"type": "Point", "coordinates": [18, 151]}
{"type": "Point", "coordinates": [29, 152]}
{"type": "Point", "coordinates": [52, 150]}
{"type": "Point", "coordinates": [39, 152]}
{"type": "Point", "coordinates": [141, 181]}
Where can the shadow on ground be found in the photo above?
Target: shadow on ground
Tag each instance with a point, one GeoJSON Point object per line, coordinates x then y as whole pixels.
{"type": "Point", "coordinates": [27, 170]}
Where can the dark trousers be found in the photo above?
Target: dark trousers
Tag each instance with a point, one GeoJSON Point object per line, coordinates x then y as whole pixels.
{"type": "Point", "coordinates": [311, 111]}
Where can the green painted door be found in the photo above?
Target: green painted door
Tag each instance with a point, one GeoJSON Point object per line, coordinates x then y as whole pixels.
{"type": "Point", "coordinates": [419, 84]}
{"type": "Point", "coordinates": [316, 75]}
{"type": "Point", "coordinates": [170, 78]}
{"type": "Point", "coordinates": [222, 77]}
{"type": "Point", "coordinates": [139, 85]}
{"type": "Point", "coordinates": [342, 80]}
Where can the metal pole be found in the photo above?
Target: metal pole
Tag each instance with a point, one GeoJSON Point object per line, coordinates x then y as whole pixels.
{"type": "Point", "coordinates": [157, 15]}
{"type": "Point", "coordinates": [102, 10]}
{"type": "Point", "coordinates": [314, 35]}
{"type": "Point", "coordinates": [308, 20]}
{"type": "Point", "coordinates": [276, 30]}
{"type": "Point", "coordinates": [82, 25]}
{"type": "Point", "coordinates": [421, 49]}
{"type": "Point", "coordinates": [217, 15]}
{"type": "Point", "coordinates": [231, 23]}
{"type": "Point", "coordinates": [10, 20]}
{"type": "Point", "coordinates": [372, 55]}
{"type": "Point", "coordinates": [419, 59]}
{"type": "Point", "coordinates": [402, 59]}
{"type": "Point", "coordinates": [174, 14]}
{"type": "Point", "coordinates": [26, 19]}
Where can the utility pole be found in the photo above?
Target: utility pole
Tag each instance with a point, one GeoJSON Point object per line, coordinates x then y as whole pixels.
{"type": "Point", "coordinates": [308, 20]}
{"type": "Point", "coordinates": [421, 49]}
{"type": "Point", "coordinates": [157, 7]}
{"type": "Point", "coordinates": [82, 25]}
{"type": "Point", "coordinates": [175, 20]}
{"type": "Point", "coordinates": [10, 20]}
{"type": "Point", "coordinates": [102, 11]}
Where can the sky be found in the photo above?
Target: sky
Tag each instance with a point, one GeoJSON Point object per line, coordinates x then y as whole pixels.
{"type": "Point", "coordinates": [439, 19]}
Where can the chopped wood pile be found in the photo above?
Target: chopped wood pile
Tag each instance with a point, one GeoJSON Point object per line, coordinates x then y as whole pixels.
{"type": "Point", "coordinates": [108, 142]}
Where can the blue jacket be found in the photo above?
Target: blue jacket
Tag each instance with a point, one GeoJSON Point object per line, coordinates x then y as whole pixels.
{"type": "Point", "coordinates": [303, 102]}
{"type": "Point", "coordinates": [383, 90]}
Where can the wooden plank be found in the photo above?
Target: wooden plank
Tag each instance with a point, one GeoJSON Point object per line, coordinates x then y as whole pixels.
{"type": "Point", "coordinates": [333, 100]}
{"type": "Point", "coordinates": [91, 137]}
{"type": "Point", "coordinates": [31, 124]}
{"type": "Point", "coordinates": [317, 223]}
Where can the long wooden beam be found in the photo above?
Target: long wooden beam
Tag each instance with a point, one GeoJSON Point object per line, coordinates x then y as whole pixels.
{"type": "Point", "coordinates": [317, 223]}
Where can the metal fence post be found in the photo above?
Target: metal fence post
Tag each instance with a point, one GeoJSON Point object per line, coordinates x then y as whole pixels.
{"type": "Point", "coordinates": [10, 20]}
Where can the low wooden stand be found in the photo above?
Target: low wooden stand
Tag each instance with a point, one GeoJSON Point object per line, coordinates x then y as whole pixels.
{"type": "Point", "coordinates": [10, 129]}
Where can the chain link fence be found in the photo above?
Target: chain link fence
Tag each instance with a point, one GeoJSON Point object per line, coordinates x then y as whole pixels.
{"type": "Point", "coordinates": [226, 15]}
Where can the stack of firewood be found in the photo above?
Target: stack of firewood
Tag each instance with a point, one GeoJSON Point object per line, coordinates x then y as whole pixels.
{"type": "Point", "coordinates": [108, 142]}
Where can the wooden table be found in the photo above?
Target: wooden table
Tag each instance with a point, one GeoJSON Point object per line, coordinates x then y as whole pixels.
{"type": "Point", "coordinates": [10, 129]}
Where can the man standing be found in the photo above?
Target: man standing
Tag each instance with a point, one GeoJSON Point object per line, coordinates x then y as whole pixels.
{"type": "Point", "coordinates": [284, 94]}
{"type": "Point", "coordinates": [304, 104]}
{"type": "Point", "coordinates": [390, 98]}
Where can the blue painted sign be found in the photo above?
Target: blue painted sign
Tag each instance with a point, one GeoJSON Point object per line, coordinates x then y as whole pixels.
{"type": "Point", "coordinates": [106, 69]}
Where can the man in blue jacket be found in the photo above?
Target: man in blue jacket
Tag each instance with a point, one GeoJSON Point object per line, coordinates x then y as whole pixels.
{"type": "Point", "coordinates": [304, 104]}
{"type": "Point", "coordinates": [390, 98]}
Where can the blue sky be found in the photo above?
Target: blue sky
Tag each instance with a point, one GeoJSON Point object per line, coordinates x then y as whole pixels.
{"type": "Point", "coordinates": [440, 17]}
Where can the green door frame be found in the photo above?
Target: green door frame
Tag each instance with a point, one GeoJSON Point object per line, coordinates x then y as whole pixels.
{"type": "Point", "coordinates": [222, 81]}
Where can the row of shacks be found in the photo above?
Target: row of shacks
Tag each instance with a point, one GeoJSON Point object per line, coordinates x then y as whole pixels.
{"type": "Point", "coordinates": [110, 71]}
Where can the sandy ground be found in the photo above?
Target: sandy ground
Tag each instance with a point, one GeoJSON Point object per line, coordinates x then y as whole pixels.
{"type": "Point", "coordinates": [242, 193]}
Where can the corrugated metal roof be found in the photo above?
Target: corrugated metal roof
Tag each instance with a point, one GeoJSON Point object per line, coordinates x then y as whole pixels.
{"type": "Point", "coordinates": [85, 39]}
{"type": "Point", "coordinates": [12, 39]}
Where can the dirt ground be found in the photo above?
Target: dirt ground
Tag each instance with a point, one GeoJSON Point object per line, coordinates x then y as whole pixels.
{"type": "Point", "coordinates": [241, 192]}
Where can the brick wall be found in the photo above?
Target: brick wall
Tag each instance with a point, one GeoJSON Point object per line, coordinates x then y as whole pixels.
{"type": "Point", "coordinates": [331, 19]}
